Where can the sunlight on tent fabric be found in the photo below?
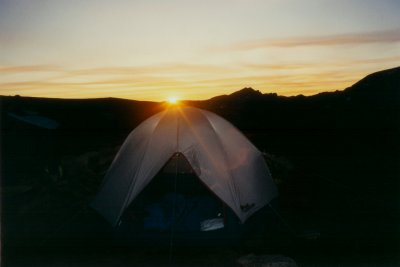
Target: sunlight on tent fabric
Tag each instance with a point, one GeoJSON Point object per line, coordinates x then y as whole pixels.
{"type": "Point", "coordinates": [220, 156]}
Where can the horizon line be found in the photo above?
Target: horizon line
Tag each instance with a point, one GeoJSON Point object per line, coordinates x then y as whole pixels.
{"type": "Point", "coordinates": [180, 100]}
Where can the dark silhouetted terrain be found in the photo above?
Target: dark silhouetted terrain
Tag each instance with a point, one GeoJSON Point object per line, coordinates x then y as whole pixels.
{"type": "Point", "coordinates": [335, 157]}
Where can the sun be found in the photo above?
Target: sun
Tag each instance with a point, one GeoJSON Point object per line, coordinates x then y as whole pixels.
{"type": "Point", "coordinates": [173, 100]}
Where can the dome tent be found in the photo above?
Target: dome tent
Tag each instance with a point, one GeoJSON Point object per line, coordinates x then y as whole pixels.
{"type": "Point", "coordinates": [221, 157]}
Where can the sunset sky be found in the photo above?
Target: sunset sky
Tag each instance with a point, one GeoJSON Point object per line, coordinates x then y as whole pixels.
{"type": "Point", "coordinates": [155, 49]}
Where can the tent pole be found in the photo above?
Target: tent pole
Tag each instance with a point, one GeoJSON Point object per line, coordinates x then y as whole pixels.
{"type": "Point", "coordinates": [171, 240]}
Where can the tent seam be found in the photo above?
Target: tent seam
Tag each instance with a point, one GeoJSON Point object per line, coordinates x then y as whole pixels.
{"type": "Point", "coordinates": [133, 181]}
{"type": "Point", "coordinates": [231, 180]}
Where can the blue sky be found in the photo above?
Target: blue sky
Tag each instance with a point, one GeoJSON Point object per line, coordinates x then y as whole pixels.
{"type": "Point", "coordinates": [149, 50]}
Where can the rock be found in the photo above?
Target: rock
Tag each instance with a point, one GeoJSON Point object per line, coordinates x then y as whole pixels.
{"type": "Point", "coordinates": [252, 260]}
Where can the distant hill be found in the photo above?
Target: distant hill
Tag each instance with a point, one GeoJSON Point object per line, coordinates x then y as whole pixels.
{"type": "Point", "coordinates": [373, 101]}
{"type": "Point", "coordinates": [101, 114]}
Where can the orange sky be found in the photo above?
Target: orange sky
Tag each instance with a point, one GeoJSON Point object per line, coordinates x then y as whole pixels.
{"type": "Point", "coordinates": [192, 49]}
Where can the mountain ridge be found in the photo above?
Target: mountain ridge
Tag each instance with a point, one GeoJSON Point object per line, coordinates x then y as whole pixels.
{"type": "Point", "coordinates": [377, 94]}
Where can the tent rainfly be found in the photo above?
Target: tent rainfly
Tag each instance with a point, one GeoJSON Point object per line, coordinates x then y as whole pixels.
{"type": "Point", "coordinates": [220, 155]}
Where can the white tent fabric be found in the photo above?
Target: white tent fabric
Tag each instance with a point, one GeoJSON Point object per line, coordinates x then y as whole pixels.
{"type": "Point", "coordinates": [221, 156]}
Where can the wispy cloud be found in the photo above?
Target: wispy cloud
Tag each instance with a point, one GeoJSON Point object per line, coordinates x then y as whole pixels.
{"type": "Point", "coordinates": [394, 59]}
{"type": "Point", "coordinates": [333, 63]}
{"type": "Point", "coordinates": [280, 66]}
{"type": "Point", "coordinates": [152, 69]}
{"type": "Point", "coordinates": [390, 36]}
{"type": "Point", "coordinates": [29, 68]}
{"type": "Point", "coordinates": [190, 81]}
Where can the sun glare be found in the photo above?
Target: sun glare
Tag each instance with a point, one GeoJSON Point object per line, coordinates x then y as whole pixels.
{"type": "Point", "coordinates": [173, 100]}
